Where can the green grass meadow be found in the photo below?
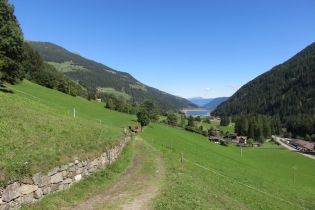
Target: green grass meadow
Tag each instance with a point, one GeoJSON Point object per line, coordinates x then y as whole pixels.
{"type": "Point", "coordinates": [91, 185]}
{"type": "Point", "coordinates": [117, 93]}
{"type": "Point", "coordinates": [67, 66]}
{"type": "Point", "coordinates": [38, 130]}
{"type": "Point", "coordinates": [217, 177]}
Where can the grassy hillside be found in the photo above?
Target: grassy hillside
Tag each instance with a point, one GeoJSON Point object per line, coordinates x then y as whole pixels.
{"type": "Point", "coordinates": [98, 75]}
{"type": "Point", "coordinates": [38, 129]}
{"type": "Point", "coordinates": [116, 93]}
{"type": "Point", "coordinates": [216, 177]}
{"type": "Point", "coordinates": [67, 66]}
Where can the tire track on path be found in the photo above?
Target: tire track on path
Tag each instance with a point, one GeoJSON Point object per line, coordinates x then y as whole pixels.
{"type": "Point", "coordinates": [136, 187]}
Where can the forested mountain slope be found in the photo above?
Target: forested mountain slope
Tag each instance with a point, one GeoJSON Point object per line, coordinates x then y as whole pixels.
{"type": "Point", "coordinates": [286, 92]}
{"type": "Point", "coordinates": [286, 89]}
{"type": "Point", "coordinates": [99, 75]}
{"type": "Point", "coordinates": [200, 101]}
{"type": "Point", "coordinates": [215, 102]}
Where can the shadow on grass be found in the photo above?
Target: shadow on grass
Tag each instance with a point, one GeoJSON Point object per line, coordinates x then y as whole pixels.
{"type": "Point", "coordinates": [2, 89]}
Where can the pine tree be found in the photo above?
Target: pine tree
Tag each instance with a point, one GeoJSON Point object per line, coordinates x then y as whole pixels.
{"type": "Point", "coordinates": [11, 45]}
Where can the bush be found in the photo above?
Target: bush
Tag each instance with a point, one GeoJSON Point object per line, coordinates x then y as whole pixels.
{"type": "Point", "coordinates": [224, 143]}
{"type": "Point", "coordinates": [189, 128]}
{"type": "Point", "coordinates": [205, 133]}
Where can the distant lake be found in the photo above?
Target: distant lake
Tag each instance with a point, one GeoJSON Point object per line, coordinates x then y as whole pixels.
{"type": "Point", "coordinates": [198, 112]}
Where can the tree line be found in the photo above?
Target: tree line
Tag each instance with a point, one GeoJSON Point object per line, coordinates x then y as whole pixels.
{"type": "Point", "coordinates": [257, 127]}
{"type": "Point", "coordinates": [99, 75]}
{"type": "Point", "coordinates": [18, 60]}
{"type": "Point", "coordinates": [286, 91]}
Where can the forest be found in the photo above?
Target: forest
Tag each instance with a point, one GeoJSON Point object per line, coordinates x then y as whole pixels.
{"type": "Point", "coordinates": [286, 92]}
{"type": "Point", "coordinates": [99, 75]}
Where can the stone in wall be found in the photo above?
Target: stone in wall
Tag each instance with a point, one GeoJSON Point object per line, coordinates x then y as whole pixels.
{"type": "Point", "coordinates": [46, 190]}
{"type": "Point", "coordinates": [38, 193]}
{"type": "Point", "coordinates": [95, 162]}
{"type": "Point", "coordinates": [67, 181]}
{"type": "Point", "coordinates": [90, 164]}
{"type": "Point", "coordinates": [36, 178]}
{"type": "Point", "coordinates": [91, 170]}
{"type": "Point", "coordinates": [85, 172]}
{"type": "Point", "coordinates": [101, 162]}
{"type": "Point", "coordinates": [72, 168]}
{"type": "Point", "coordinates": [5, 207]}
{"type": "Point", "coordinates": [11, 192]}
{"type": "Point", "coordinates": [27, 189]}
{"type": "Point", "coordinates": [63, 168]}
{"type": "Point", "coordinates": [44, 181]}
{"type": "Point", "coordinates": [26, 199]}
{"type": "Point", "coordinates": [56, 178]}
{"type": "Point", "coordinates": [59, 178]}
{"type": "Point", "coordinates": [78, 177]}
{"type": "Point", "coordinates": [79, 171]}
{"type": "Point", "coordinates": [27, 180]}
{"type": "Point", "coordinates": [54, 187]}
{"type": "Point", "coordinates": [66, 186]}
{"type": "Point", "coordinates": [64, 174]}
{"type": "Point", "coordinates": [115, 153]}
{"type": "Point", "coordinates": [13, 204]}
{"type": "Point", "coordinates": [71, 174]}
{"type": "Point", "coordinates": [53, 171]}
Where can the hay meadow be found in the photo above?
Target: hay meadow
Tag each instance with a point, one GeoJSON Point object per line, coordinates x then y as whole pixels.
{"type": "Point", "coordinates": [221, 177]}
{"type": "Point", "coordinates": [38, 127]}
{"type": "Point", "coordinates": [42, 128]}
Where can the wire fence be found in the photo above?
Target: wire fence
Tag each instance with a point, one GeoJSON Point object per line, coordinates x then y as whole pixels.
{"type": "Point", "coordinates": [238, 182]}
{"type": "Point", "coordinates": [67, 110]}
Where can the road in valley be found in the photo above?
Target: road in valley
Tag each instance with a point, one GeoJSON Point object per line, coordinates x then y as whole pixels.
{"type": "Point", "coordinates": [292, 148]}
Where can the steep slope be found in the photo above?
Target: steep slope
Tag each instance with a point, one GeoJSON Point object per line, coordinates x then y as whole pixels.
{"type": "Point", "coordinates": [215, 102]}
{"type": "Point", "coordinates": [287, 89]}
{"type": "Point", "coordinates": [99, 75]}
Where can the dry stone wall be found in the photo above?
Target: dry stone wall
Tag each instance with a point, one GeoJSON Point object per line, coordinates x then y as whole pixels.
{"type": "Point", "coordinates": [60, 178]}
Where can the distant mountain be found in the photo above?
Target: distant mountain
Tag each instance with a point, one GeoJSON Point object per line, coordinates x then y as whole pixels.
{"type": "Point", "coordinates": [98, 75]}
{"type": "Point", "coordinates": [287, 91]}
{"type": "Point", "coordinates": [200, 101]}
{"type": "Point", "coordinates": [215, 102]}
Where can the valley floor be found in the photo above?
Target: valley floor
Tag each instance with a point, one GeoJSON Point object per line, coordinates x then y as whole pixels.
{"type": "Point", "coordinates": [137, 186]}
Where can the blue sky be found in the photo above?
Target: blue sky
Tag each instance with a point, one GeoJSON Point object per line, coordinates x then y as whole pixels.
{"type": "Point", "coordinates": [189, 48]}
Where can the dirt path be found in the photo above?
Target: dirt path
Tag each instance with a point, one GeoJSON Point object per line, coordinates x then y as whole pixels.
{"type": "Point", "coordinates": [137, 186]}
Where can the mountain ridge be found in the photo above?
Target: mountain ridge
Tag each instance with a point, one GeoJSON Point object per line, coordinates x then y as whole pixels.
{"type": "Point", "coordinates": [215, 102]}
{"type": "Point", "coordinates": [200, 101]}
{"type": "Point", "coordinates": [99, 75]}
{"type": "Point", "coordinates": [286, 92]}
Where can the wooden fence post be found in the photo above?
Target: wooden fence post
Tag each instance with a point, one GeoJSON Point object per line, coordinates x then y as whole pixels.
{"type": "Point", "coordinates": [182, 162]}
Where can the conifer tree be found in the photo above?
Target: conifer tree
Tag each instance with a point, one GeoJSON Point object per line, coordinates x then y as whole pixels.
{"type": "Point", "coordinates": [11, 44]}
